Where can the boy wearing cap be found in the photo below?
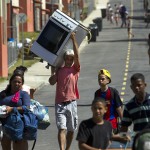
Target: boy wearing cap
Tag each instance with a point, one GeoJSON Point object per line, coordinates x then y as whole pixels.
{"type": "Point", "coordinates": [112, 98]}
{"type": "Point", "coordinates": [66, 79]}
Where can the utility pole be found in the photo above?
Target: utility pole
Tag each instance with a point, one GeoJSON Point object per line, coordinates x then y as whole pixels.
{"type": "Point", "coordinates": [60, 5]}
{"type": "Point", "coordinates": [34, 15]}
{"type": "Point", "coordinates": [22, 18]}
{"type": "Point", "coordinates": [52, 6]}
{"type": "Point", "coordinates": [76, 9]}
{"type": "Point", "coordinates": [11, 18]}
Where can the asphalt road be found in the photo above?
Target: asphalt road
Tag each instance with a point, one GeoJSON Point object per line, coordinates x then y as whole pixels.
{"type": "Point", "coordinates": [113, 51]}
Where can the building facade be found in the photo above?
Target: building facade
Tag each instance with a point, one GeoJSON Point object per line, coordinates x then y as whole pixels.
{"type": "Point", "coordinates": [37, 13]}
{"type": "Point", "coordinates": [3, 39]}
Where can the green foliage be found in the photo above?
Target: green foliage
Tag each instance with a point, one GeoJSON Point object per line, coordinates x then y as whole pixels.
{"type": "Point", "coordinates": [26, 63]}
{"type": "Point", "coordinates": [30, 35]}
{"type": "Point", "coordinates": [2, 79]}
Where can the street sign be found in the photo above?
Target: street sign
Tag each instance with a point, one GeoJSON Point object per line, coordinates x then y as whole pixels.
{"type": "Point", "coordinates": [22, 18]}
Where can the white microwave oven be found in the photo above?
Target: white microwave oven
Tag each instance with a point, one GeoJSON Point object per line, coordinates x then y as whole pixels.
{"type": "Point", "coordinates": [54, 39]}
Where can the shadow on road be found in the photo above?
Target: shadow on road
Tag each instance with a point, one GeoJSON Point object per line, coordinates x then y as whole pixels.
{"type": "Point", "coordinates": [124, 40]}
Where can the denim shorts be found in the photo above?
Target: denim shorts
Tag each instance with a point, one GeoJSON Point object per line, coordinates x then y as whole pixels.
{"type": "Point", "coordinates": [66, 115]}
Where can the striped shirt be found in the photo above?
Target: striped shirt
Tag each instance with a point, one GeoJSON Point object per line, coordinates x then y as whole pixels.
{"type": "Point", "coordinates": [137, 113]}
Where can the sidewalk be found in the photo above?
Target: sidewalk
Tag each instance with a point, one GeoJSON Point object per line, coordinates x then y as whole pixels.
{"type": "Point", "coordinates": [37, 74]}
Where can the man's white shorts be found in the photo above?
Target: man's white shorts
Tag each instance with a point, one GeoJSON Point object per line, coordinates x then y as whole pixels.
{"type": "Point", "coordinates": [66, 115]}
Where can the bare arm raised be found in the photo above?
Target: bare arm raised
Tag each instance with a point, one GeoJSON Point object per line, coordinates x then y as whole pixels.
{"type": "Point", "coordinates": [75, 48]}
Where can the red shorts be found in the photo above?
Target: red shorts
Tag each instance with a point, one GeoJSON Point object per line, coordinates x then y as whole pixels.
{"type": "Point", "coordinates": [114, 123]}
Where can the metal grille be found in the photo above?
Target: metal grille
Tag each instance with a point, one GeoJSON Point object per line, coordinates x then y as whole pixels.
{"type": "Point", "coordinates": [12, 51]}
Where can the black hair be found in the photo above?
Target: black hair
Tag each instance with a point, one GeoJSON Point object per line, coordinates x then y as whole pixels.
{"type": "Point", "coordinates": [137, 76]}
{"type": "Point", "coordinates": [20, 70]}
{"type": "Point", "coordinates": [99, 99]}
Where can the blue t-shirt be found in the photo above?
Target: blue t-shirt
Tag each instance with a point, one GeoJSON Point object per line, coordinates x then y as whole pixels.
{"type": "Point", "coordinates": [6, 99]}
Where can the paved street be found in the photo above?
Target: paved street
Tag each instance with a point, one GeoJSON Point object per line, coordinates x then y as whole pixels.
{"type": "Point", "coordinates": [113, 51]}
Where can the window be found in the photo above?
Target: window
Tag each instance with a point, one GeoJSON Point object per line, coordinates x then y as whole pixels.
{"type": "Point", "coordinates": [52, 37]}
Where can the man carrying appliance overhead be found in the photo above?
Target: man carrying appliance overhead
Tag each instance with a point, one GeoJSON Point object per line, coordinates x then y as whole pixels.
{"type": "Point", "coordinates": [66, 79]}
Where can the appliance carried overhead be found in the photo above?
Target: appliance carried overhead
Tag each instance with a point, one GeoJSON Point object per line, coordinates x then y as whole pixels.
{"type": "Point", "coordinates": [54, 39]}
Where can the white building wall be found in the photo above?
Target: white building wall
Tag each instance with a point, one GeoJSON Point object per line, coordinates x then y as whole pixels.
{"type": "Point", "coordinates": [99, 4]}
{"type": "Point", "coordinates": [43, 4]}
{"type": "Point", "coordinates": [3, 12]}
{"type": "Point", "coordinates": [15, 2]}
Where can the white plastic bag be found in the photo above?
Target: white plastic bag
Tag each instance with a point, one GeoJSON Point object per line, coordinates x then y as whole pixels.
{"type": "Point", "coordinates": [1, 131]}
{"type": "Point", "coordinates": [41, 112]}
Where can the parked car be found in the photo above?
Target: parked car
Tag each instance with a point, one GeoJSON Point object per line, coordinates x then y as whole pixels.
{"type": "Point", "coordinates": [147, 16]}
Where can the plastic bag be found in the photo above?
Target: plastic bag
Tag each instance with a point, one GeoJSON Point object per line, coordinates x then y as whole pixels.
{"type": "Point", "coordinates": [41, 112]}
{"type": "Point", "coordinates": [3, 111]}
{"type": "Point", "coordinates": [1, 131]}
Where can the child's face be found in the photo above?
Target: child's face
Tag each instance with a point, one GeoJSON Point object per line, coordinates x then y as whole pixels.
{"type": "Point", "coordinates": [103, 80]}
{"type": "Point", "coordinates": [138, 87]}
{"type": "Point", "coordinates": [98, 109]}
